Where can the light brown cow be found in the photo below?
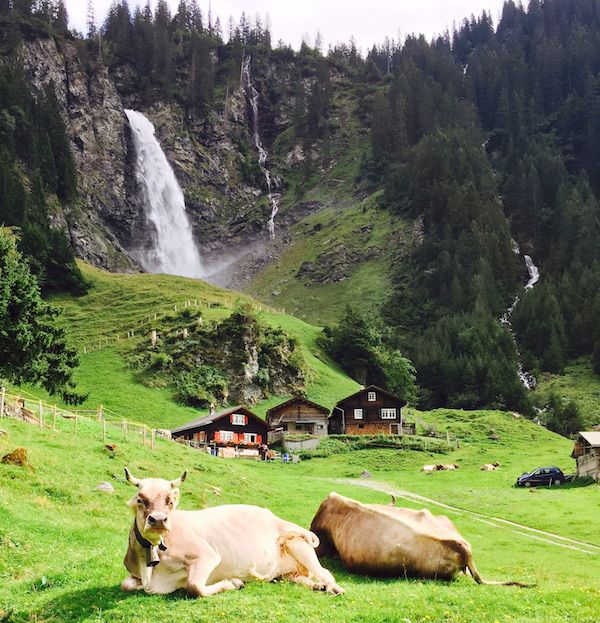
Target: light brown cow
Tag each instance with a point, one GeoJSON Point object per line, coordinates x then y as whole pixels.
{"type": "Point", "coordinates": [380, 540]}
{"type": "Point", "coordinates": [489, 467]}
{"type": "Point", "coordinates": [450, 467]}
{"type": "Point", "coordinates": [215, 549]}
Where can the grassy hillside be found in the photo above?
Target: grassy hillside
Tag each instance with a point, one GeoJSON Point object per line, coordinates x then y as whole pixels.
{"type": "Point", "coordinates": [118, 303]}
{"type": "Point", "coordinates": [578, 383]}
{"type": "Point", "coordinates": [62, 542]}
{"type": "Point", "coordinates": [338, 256]}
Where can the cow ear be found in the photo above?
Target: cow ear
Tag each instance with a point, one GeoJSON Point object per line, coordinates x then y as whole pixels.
{"type": "Point", "coordinates": [132, 479]}
{"type": "Point", "coordinates": [176, 483]}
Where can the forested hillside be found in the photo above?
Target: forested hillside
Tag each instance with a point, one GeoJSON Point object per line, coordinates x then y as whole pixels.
{"type": "Point", "coordinates": [412, 179]}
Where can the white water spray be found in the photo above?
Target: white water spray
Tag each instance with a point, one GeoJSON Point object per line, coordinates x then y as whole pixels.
{"type": "Point", "coordinates": [528, 380]}
{"type": "Point", "coordinates": [174, 250]}
{"type": "Point", "coordinates": [253, 96]}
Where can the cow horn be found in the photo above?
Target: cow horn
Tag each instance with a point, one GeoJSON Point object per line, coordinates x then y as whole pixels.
{"type": "Point", "coordinates": [176, 483]}
{"type": "Point", "coordinates": [132, 479]}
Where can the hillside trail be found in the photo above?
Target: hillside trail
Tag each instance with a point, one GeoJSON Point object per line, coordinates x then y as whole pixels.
{"type": "Point", "coordinates": [497, 522]}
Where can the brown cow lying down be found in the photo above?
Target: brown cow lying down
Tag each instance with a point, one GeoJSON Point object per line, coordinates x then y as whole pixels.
{"type": "Point", "coordinates": [380, 540]}
{"type": "Point", "coordinates": [215, 549]}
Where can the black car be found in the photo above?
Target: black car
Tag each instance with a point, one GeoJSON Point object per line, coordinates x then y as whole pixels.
{"type": "Point", "coordinates": [542, 476]}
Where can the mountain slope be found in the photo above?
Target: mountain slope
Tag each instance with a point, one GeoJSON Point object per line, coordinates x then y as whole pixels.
{"type": "Point", "coordinates": [118, 304]}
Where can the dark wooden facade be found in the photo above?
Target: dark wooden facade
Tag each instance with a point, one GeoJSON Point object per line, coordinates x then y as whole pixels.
{"type": "Point", "coordinates": [298, 415]}
{"type": "Point", "coordinates": [236, 426]}
{"type": "Point", "coordinates": [371, 411]}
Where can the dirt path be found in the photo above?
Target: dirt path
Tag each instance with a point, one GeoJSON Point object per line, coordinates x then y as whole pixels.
{"type": "Point", "coordinates": [497, 522]}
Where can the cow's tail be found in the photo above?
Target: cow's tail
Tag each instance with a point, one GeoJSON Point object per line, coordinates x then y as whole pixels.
{"type": "Point", "coordinates": [469, 564]}
{"type": "Point", "coordinates": [310, 537]}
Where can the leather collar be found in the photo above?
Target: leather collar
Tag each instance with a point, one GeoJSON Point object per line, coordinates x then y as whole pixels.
{"type": "Point", "coordinates": [152, 558]}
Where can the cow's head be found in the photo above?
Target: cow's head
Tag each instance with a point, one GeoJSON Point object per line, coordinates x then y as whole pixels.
{"type": "Point", "coordinates": [153, 502]}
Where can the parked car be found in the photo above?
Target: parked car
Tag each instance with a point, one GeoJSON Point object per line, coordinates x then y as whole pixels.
{"type": "Point", "coordinates": [542, 476]}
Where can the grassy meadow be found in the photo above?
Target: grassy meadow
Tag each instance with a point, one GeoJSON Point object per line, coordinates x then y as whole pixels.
{"type": "Point", "coordinates": [62, 542]}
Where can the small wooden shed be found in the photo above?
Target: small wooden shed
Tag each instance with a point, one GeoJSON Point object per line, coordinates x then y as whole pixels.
{"type": "Point", "coordinates": [234, 426]}
{"type": "Point", "coordinates": [587, 454]}
{"type": "Point", "coordinates": [298, 415]}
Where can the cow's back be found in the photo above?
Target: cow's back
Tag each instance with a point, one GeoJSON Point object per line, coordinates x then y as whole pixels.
{"type": "Point", "coordinates": [385, 541]}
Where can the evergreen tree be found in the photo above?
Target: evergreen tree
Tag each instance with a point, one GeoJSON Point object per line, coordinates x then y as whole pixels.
{"type": "Point", "coordinates": [34, 347]}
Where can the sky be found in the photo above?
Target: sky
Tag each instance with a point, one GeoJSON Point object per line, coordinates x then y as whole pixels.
{"type": "Point", "coordinates": [368, 21]}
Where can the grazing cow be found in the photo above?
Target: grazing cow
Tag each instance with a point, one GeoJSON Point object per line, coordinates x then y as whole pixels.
{"type": "Point", "coordinates": [380, 540]}
{"type": "Point", "coordinates": [215, 549]}
{"type": "Point", "coordinates": [450, 467]}
{"type": "Point", "coordinates": [489, 467]}
{"type": "Point", "coordinates": [431, 468]}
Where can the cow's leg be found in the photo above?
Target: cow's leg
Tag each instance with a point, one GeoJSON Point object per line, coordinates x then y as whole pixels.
{"type": "Point", "coordinates": [298, 548]}
{"type": "Point", "coordinates": [199, 572]}
{"type": "Point", "coordinates": [130, 584]}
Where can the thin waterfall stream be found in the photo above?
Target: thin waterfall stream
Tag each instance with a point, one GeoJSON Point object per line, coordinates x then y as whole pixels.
{"type": "Point", "coordinates": [174, 249]}
{"type": "Point", "coordinates": [528, 380]}
{"type": "Point", "coordinates": [252, 95]}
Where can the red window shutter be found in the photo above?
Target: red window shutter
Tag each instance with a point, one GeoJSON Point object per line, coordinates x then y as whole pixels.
{"type": "Point", "coordinates": [258, 439]}
{"type": "Point", "coordinates": [217, 435]}
{"type": "Point", "coordinates": [245, 420]}
{"type": "Point", "coordinates": [231, 418]}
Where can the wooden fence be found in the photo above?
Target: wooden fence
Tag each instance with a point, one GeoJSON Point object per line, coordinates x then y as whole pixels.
{"type": "Point", "coordinates": [146, 323]}
{"type": "Point", "coordinates": [100, 423]}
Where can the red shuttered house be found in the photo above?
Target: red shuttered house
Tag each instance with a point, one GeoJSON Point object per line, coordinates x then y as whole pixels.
{"type": "Point", "coordinates": [236, 426]}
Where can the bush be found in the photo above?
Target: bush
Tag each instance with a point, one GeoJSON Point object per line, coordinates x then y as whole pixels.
{"type": "Point", "coordinates": [160, 361]}
{"type": "Point", "coordinates": [342, 444]}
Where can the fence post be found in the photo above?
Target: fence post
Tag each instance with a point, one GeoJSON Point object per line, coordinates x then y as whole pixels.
{"type": "Point", "coordinates": [448, 438]}
{"type": "Point", "coordinates": [2, 396]}
{"type": "Point", "coordinates": [54, 417]}
{"type": "Point", "coordinates": [145, 432]}
{"type": "Point", "coordinates": [153, 337]}
{"type": "Point", "coordinates": [152, 439]}
{"type": "Point", "coordinates": [185, 334]}
{"type": "Point", "coordinates": [100, 412]}
{"type": "Point", "coordinates": [103, 430]}
{"type": "Point", "coordinates": [41, 413]}
{"type": "Point", "coordinates": [124, 429]}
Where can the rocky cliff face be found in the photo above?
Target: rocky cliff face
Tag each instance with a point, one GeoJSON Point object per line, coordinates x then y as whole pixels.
{"type": "Point", "coordinates": [214, 160]}
{"type": "Point", "coordinates": [93, 113]}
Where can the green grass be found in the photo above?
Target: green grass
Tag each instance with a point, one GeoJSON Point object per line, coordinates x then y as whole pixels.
{"type": "Point", "coordinates": [62, 542]}
{"type": "Point", "coordinates": [117, 302]}
{"type": "Point", "coordinates": [578, 383]}
{"type": "Point", "coordinates": [342, 223]}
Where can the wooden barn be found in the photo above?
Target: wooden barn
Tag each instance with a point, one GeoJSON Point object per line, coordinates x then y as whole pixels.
{"type": "Point", "coordinates": [235, 426]}
{"type": "Point", "coordinates": [370, 411]}
{"type": "Point", "coordinates": [297, 415]}
{"type": "Point", "coordinates": [587, 454]}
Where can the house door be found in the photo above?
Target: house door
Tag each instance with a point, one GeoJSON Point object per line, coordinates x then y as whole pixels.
{"type": "Point", "coordinates": [394, 429]}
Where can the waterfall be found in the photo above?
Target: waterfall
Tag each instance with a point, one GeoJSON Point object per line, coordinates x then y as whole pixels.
{"type": "Point", "coordinates": [174, 249]}
{"type": "Point", "coordinates": [528, 380]}
{"type": "Point", "coordinates": [253, 96]}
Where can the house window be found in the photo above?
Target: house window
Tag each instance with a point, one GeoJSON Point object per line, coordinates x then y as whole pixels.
{"type": "Point", "coordinates": [249, 437]}
{"type": "Point", "coordinates": [361, 426]}
{"type": "Point", "coordinates": [238, 419]}
{"type": "Point", "coordinates": [371, 396]}
{"type": "Point", "coordinates": [226, 435]}
{"type": "Point", "coordinates": [358, 414]}
{"type": "Point", "coordinates": [388, 414]}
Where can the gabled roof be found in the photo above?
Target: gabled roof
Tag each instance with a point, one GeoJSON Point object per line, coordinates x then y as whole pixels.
{"type": "Point", "coordinates": [592, 437]}
{"type": "Point", "coordinates": [373, 388]}
{"type": "Point", "coordinates": [297, 399]}
{"type": "Point", "coordinates": [213, 417]}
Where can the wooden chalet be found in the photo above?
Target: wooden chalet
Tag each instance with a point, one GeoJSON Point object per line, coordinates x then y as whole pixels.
{"type": "Point", "coordinates": [297, 415]}
{"type": "Point", "coordinates": [370, 411]}
{"type": "Point", "coordinates": [235, 426]}
{"type": "Point", "coordinates": [587, 454]}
